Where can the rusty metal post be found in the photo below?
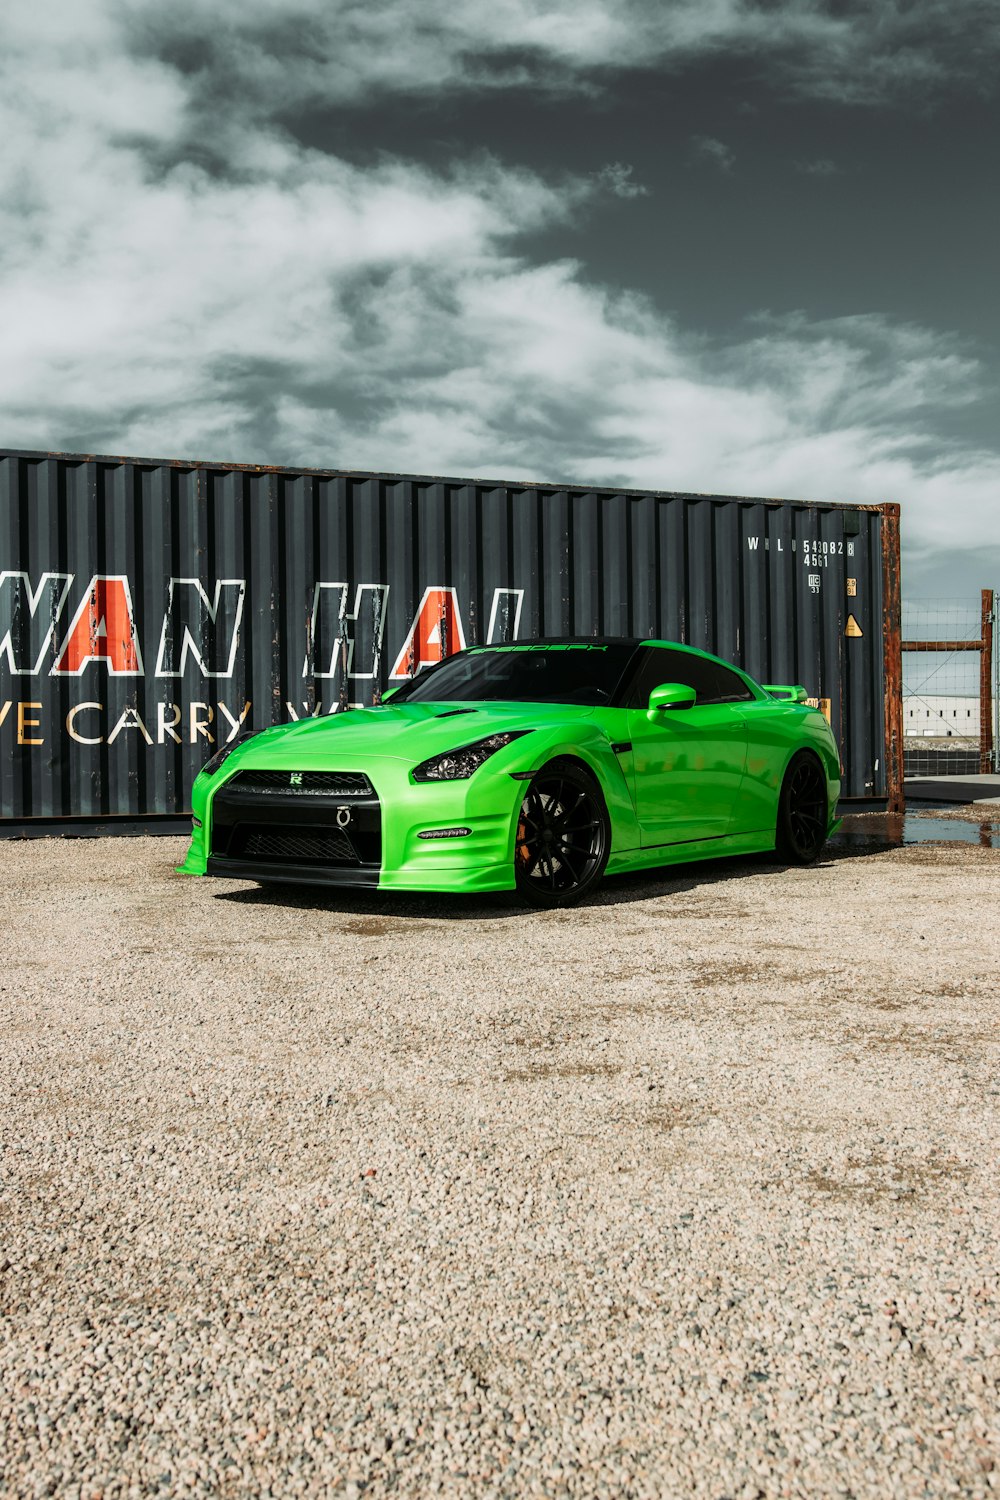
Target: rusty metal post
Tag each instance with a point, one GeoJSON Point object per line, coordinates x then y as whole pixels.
{"type": "Point", "coordinates": [986, 686]}
{"type": "Point", "coordinates": [892, 637]}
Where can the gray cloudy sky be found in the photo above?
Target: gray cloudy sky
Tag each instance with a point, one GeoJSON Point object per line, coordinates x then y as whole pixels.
{"type": "Point", "coordinates": [736, 245]}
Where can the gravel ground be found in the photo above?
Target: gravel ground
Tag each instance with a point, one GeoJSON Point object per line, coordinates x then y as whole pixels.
{"type": "Point", "coordinates": [689, 1192]}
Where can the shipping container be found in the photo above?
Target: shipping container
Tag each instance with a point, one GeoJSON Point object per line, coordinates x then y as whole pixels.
{"type": "Point", "coordinates": [151, 609]}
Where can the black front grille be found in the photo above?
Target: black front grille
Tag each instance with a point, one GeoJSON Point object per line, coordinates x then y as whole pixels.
{"type": "Point", "coordinates": [326, 846]}
{"type": "Point", "coordinates": [325, 827]}
{"type": "Point", "coordinates": [305, 783]}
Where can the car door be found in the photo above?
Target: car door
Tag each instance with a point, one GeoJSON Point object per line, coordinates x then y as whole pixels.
{"type": "Point", "coordinates": [688, 764]}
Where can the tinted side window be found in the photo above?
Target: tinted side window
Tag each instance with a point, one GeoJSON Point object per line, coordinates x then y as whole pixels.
{"type": "Point", "coordinates": [659, 666]}
{"type": "Point", "coordinates": [712, 682]}
{"type": "Point", "coordinates": [723, 685]}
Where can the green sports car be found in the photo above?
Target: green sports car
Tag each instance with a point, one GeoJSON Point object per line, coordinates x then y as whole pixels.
{"type": "Point", "coordinates": [534, 767]}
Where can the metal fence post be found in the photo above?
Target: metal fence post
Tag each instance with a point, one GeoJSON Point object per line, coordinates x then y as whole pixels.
{"type": "Point", "coordinates": [996, 697]}
{"type": "Point", "coordinates": [892, 634]}
{"type": "Point", "coordinates": [986, 686]}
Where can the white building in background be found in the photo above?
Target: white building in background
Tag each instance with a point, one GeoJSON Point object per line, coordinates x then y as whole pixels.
{"type": "Point", "coordinates": [928, 716]}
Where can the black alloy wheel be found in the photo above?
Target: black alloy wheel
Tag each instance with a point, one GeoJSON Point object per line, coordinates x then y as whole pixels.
{"type": "Point", "coordinates": [803, 811]}
{"type": "Point", "coordinates": [563, 836]}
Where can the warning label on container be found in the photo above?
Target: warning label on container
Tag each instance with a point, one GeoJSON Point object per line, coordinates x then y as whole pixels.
{"type": "Point", "coordinates": [852, 628]}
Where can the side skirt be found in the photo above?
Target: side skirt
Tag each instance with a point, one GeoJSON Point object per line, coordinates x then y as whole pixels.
{"type": "Point", "coordinates": [682, 854]}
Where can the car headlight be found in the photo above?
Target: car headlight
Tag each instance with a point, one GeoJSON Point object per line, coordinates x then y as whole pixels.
{"type": "Point", "coordinates": [211, 766]}
{"type": "Point", "coordinates": [458, 765]}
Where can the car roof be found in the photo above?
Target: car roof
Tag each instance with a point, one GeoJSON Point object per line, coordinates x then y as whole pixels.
{"type": "Point", "coordinates": [587, 640]}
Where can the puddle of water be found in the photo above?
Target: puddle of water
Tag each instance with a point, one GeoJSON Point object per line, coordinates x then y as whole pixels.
{"type": "Point", "coordinates": [892, 830]}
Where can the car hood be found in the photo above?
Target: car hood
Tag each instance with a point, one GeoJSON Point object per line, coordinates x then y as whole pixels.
{"type": "Point", "coordinates": [404, 731]}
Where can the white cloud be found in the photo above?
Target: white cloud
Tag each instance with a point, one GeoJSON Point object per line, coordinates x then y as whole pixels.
{"type": "Point", "coordinates": [821, 166]}
{"type": "Point", "coordinates": [243, 297]}
{"type": "Point", "coordinates": [617, 178]}
{"type": "Point", "coordinates": [289, 51]}
{"type": "Point", "coordinates": [260, 57]}
{"type": "Point", "coordinates": [716, 152]}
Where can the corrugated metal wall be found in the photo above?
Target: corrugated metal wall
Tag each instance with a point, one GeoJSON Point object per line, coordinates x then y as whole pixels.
{"type": "Point", "coordinates": [144, 605]}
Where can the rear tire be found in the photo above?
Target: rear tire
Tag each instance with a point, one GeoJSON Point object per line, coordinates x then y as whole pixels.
{"type": "Point", "coordinates": [563, 837]}
{"type": "Point", "coordinates": [803, 811]}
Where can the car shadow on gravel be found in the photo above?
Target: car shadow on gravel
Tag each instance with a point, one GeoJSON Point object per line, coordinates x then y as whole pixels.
{"type": "Point", "coordinates": [645, 885]}
{"type": "Point", "coordinates": [860, 835]}
{"type": "Point", "coordinates": [615, 890]}
{"type": "Point", "coordinates": [371, 905]}
{"type": "Point", "coordinates": [678, 879]}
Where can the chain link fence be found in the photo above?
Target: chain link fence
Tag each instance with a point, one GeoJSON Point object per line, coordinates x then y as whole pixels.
{"type": "Point", "coordinates": [949, 686]}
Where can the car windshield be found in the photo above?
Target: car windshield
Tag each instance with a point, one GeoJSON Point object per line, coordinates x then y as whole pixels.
{"type": "Point", "coordinates": [581, 674]}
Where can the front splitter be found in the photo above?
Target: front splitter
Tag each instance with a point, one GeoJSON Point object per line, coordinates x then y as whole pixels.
{"type": "Point", "coordinates": [240, 869]}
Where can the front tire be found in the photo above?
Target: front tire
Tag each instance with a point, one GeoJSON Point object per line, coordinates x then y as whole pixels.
{"type": "Point", "coordinates": [803, 811]}
{"type": "Point", "coordinates": [563, 836]}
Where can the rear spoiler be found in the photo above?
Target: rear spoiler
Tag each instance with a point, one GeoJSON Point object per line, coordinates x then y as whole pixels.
{"type": "Point", "coordinates": [782, 690]}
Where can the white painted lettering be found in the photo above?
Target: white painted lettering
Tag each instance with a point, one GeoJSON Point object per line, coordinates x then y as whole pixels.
{"type": "Point", "coordinates": [163, 728]}
{"type": "Point", "coordinates": [204, 629]}
{"type": "Point", "coordinates": [71, 729]}
{"type": "Point", "coordinates": [24, 724]}
{"type": "Point", "coordinates": [307, 712]}
{"type": "Point", "coordinates": [29, 619]}
{"type": "Point", "coordinates": [237, 724]}
{"type": "Point", "coordinates": [198, 725]}
{"type": "Point", "coordinates": [130, 719]}
{"type": "Point", "coordinates": [505, 615]}
{"type": "Point", "coordinates": [344, 641]}
{"type": "Point", "coordinates": [103, 630]}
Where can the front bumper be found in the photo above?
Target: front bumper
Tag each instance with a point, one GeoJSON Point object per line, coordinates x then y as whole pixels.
{"type": "Point", "coordinates": [371, 842]}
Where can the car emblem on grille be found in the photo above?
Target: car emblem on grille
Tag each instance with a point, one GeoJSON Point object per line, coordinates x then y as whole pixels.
{"type": "Point", "coordinates": [295, 778]}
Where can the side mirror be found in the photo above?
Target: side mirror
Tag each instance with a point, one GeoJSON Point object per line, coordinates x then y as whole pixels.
{"type": "Point", "coordinates": [669, 697]}
{"type": "Point", "coordinates": [389, 692]}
